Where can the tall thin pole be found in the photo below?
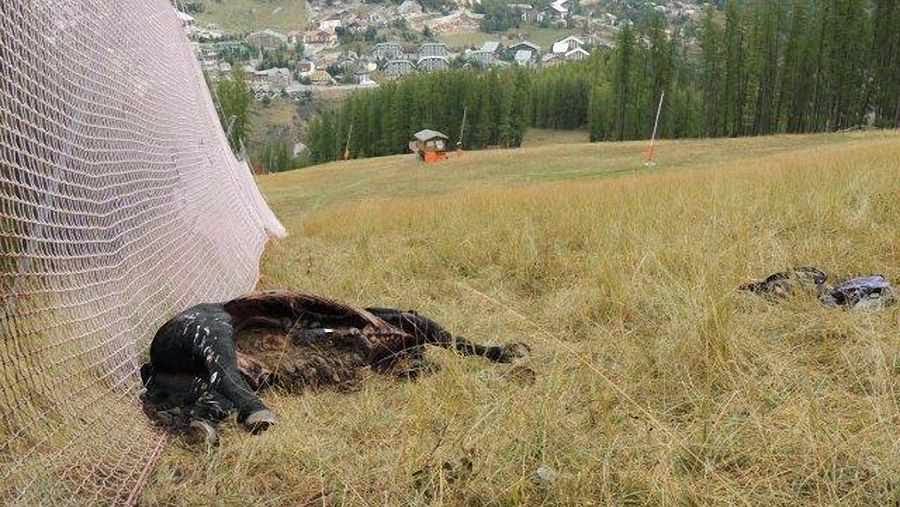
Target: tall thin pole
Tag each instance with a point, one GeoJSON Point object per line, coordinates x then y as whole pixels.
{"type": "Point", "coordinates": [462, 129]}
{"type": "Point", "coordinates": [650, 152]}
{"type": "Point", "coordinates": [347, 146]}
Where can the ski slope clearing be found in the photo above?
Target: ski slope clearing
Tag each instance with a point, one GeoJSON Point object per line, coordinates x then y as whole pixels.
{"type": "Point", "coordinates": [651, 381]}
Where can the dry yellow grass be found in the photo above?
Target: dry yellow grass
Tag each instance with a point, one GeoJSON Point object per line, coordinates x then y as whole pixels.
{"type": "Point", "coordinates": [656, 382]}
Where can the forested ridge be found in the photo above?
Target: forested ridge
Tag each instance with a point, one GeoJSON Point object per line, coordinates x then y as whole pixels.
{"type": "Point", "coordinates": [495, 106]}
{"type": "Point", "coordinates": [758, 67]}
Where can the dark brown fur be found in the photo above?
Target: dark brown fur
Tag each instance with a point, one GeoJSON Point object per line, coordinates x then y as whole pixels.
{"type": "Point", "coordinates": [280, 341]}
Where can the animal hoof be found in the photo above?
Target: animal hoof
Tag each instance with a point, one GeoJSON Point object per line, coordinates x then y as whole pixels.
{"type": "Point", "coordinates": [259, 421]}
{"type": "Point", "coordinates": [202, 431]}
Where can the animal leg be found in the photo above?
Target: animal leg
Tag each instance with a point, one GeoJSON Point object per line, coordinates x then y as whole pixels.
{"type": "Point", "coordinates": [220, 357]}
{"type": "Point", "coordinates": [426, 331]}
{"type": "Point", "coordinates": [200, 341]}
{"type": "Point", "coordinates": [408, 364]}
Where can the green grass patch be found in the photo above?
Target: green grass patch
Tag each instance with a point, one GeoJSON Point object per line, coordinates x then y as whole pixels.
{"type": "Point", "coordinates": [253, 15]}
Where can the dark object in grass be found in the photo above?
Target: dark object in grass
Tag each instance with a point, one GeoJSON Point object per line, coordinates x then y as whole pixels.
{"type": "Point", "coordinates": [869, 292]}
{"type": "Point", "coordinates": [210, 360]}
{"type": "Point", "coordinates": [785, 283]}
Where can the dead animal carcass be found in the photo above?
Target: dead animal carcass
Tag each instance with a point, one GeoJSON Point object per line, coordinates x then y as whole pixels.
{"type": "Point", "coordinates": [211, 359]}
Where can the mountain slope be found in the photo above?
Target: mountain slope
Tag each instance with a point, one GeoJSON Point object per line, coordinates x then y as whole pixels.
{"type": "Point", "coordinates": [652, 380]}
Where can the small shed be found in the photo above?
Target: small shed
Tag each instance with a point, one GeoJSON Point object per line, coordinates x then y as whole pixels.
{"type": "Point", "coordinates": [430, 145]}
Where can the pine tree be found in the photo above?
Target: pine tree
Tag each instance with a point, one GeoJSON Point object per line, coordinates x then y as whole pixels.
{"type": "Point", "coordinates": [765, 43]}
{"type": "Point", "coordinates": [388, 96]}
{"type": "Point", "coordinates": [521, 105]}
{"type": "Point", "coordinates": [375, 124]}
{"type": "Point", "coordinates": [734, 96]}
{"type": "Point", "coordinates": [314, 140]}
{"type": "Point", "coordinates": [622, 80]}
{"type": "Point", "coordinates": [711, 55]}
{"type": "Point", "coordinates": [328, 140]}
{"type": "Point", "coordinates": [401, 120]}
{"type": "Point", "coordinates": [505, 129]}
{"type": "Point", "coordinates": [487, 117]}
{"type": "Point", "coordinates": [796, 76]}
{"type": "Point", "coordinates": [234, 108]}
{"type": "Point", "coordinates": [886, 62]}
{"type": "Point", "coordinates": [601, 97]}
{"type": "Point", "coordinates": [659, 76]}
{"type": "Point", "coordinates": [849, 30]}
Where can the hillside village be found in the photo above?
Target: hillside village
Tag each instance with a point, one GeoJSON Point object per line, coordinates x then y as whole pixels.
{"type": "Point", "coordinates": [301, 62]}
{"type": "Point", "coordinates": [347, 45]}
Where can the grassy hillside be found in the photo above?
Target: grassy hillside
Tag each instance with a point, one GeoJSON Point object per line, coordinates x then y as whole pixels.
{"type": "Point", "coordinates": [542, 137]}
{"type": "Point", "coordinates": [251, 15]}
{"type": "Point", "coordinates": [654, 382]}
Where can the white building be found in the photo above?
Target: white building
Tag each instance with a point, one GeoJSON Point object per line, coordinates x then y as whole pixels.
{"type": "Point", "coordinates": [433, 63]}
{"type": "Point", "coordinates": [558, 9]}
{"type": "Point", "coordinates": [570, 43]}
{"type": "Point", "coordinates": [429, 49]}
{"type": "Point", "coordinates": [577, 54]}
{"type": "Point", "coordinates": [399, 67]}
{"type": "Point", "coordinates": [387, 51]}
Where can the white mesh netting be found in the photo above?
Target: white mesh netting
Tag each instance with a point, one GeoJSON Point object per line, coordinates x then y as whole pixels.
{"type": "Point", "coordinates": [120, 204]}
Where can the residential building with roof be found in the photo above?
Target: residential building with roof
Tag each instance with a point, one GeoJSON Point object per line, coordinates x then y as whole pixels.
{"type": "Point", "coordinates": [577, 54]}
{"type": "Point", "coordinates": [433, 63]}
{"type": "Point", "coordinates": [563, 46]}
{"type": "Point", "coordinates": [526, 46]}
{"type": "Point", "coordinates": [429, 49]}
{"type": "Point", "coordinates": [387, 51]}
{"type": "Point", "coordinates": [399, 67]}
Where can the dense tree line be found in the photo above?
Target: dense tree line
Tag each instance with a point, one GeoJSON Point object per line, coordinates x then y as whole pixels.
{"type": "Point", "coordinates": [495, 105]}
{"type": "Point", "coordinates": [764, 66]}
{"type": "Point", "coordinates": [758, 67]}
{"type": "Point", "coordinates": [498, 16]}
{"type": "Point", "coordinates": [560, 96]}
{"type": "Point", "coordinates": [627, 85]}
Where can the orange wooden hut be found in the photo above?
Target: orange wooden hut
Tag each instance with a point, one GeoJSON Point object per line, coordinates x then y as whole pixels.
{"type": "Point", "coordinates": [430, 145]}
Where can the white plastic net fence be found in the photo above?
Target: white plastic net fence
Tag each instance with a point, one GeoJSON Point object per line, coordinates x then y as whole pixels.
{"type": "Point", "coordinates": [120, 204]}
